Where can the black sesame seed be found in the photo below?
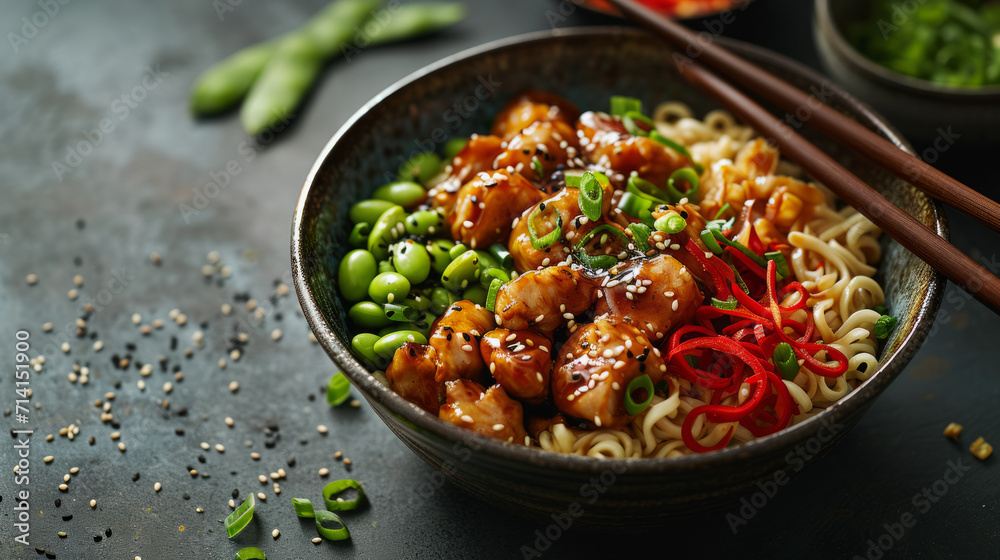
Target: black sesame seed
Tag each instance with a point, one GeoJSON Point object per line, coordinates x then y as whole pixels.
{"type": "Point", "coordinates": [58, 502]}
{"type": "Point", "coordinates": [135, 477]}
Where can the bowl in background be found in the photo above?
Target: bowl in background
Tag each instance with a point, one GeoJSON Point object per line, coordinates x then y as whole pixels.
{"type": "Point", "coordinates": [458, 96]}
{"type": "Point", "coordinates": [922, 110]}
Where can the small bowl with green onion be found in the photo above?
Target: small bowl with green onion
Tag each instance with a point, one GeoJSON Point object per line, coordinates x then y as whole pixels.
{"type": "Point", "coordinates": [932, 67]}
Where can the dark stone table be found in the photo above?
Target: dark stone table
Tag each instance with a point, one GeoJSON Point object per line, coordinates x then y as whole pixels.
{"type": "Point", "coordinates": [98, 155]}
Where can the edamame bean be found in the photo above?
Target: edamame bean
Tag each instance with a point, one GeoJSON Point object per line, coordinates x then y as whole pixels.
{"type": "Point", "coordinates": [438, 250]}
{"type": "Point", "coordinates": [419, 301]}
{"type": "Point", "coordinates": [364, 344]}
{"type": "Point", "coordinates": [387, 345]}
{"type": "Point", "coordinates": [368, 211]}
{"type": "Point", "coordinates": [423, 222]}
{"type": "Point", "coordinates": [359, 235]}
{"type": "Point", "coordinates": [421, 167]}
{"type": "Point", "coordinates": [462, 272]}
{"type": "Point", "coordinates": [476, 294]}
{"type": "Point", "coordinates": [404, 193]}
{"type": "Point", "coordinates": [486, 260]}
{"type": "Point", "coordinates": [385, 266]}
{"type": "Point", "coordinates": [411, 260]}
{"type": "Point", "coordinates": [441, 300]}
{"type": "Point", "coordinates": [368, 314]}
{"type": "Point", "coordinates": [357, 270]}
{"type": "Point", "coordinates": [457, 250]}
{"type": "Point", "coordinates": [386, 231]}
{"type": "Point", "coordinates": [389, 287]}
{"type": "Point", "coordinates": [422, 326]}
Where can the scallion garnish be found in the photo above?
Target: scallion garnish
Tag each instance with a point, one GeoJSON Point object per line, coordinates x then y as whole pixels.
{"type": "Point", "coordinates": [536, 164]}
{"type": "Point", "coordinates": [491, 295]}
{"type": "Point", "coordinates": [336, 533]}
{"type": "Point", "coordinates": [401, 313]}
{"type": "Point", "coordinates": [883, 326]}
{"type": "Point", "coordinates": [591, 196]}
{"type": "Point", "coordinates": [250, 553]}
{"type": "Point", "coordinates": [642, 382]}
{"type": "Point", "coordinates": [679, 148]}
{"type": "Point", "coordinates": [303, 508]}
{"type": "Point", "coordinates": [240, 518]}
{"type": "Point", "coordinates": [640, 236]}
{"type": "Point", "coordinates": [338, 389]}
{"type": "Point", "coordinates": [721, 211]}
{"type": "Point", "coordinates": [338, 486]}
{"type": "Point", "coordinates": [709, 240]}
{"type": "Point", "coordinates": [573, 177]}
{"type": "Point", "coordinates": [785, 360]}
{"type": "Point", "coordinates": [644, 189]}
{"type": "Point", "coordinates": [687, 175]}
{"type": "Point", "coordinates": [634, 206]}
{"type": "Point", "coordinates": [622, 105]}
{"type": "Point", "coordinates": [780, 263]}
{"type": "Point", "coordinates": [550, 237]}
{"type": "Point", "coordinates": [728, 305]}
{"type": "Point", "coordinates": [502, 255]}
{"type": "Point", "coordinates": [671, 223]}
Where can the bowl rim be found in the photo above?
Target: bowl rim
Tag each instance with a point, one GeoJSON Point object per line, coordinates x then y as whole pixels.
{"type": "Point", "coordinates": [614, 12]}
{"type": "Point", "coordinates": [901, 82]}
{"type": "Point", "coordinates": [424, 421]}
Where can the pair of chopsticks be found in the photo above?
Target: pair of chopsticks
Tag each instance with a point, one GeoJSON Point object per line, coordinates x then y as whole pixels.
{"type": "Point", "coordinates": [915, 236]}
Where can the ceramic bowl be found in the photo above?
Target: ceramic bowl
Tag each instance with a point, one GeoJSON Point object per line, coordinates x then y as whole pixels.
{"type": "Point", "coordinates": [924, 111]}
{"type": "Point", "coordinates": [458, 96]}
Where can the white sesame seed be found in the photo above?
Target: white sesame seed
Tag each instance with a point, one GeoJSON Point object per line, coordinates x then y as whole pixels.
{"type": "Point", "coordinates": [615, 385]}
{"type": "Point", "coordinates": [316, 540]}
{"type": "Point", "coordinates": [275, 533]}
{"type": "Point", "coordinates": [276, 334]}
{"type": "Point", "coordinates": [229, 421]}
{"type": "Point", "coordinates": [220, 448]}
{"type": "Point", "coordinates": [205, 445]}
{"type": "Point", "coordinates": [157, 486]}
{"type": "Point", "coordinates": [324, 471]}
{"type": "Point", "coordinates": [540, 318]}
{"type": "Point", "coordinates": [674, 305]}
{"type": "Point", "coordinates": [321, 429]}
{"type": "Point", "coordinates": [167, 387]}
{"type": "Point", "coordinates": [65, 347]}
{"type": "Point", "coordinates": [597, 420]}
{"type": "Point", "coordinates": [98, 345]}
{"type": "Point", "coordinates": [467, 347]}
{"type": "Point", "coordinates": [93, 504]}
{"type": "Point", "coordinates": [466, 418]}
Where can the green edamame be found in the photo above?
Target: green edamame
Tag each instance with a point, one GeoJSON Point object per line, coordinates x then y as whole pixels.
{"type": "Point", "coordinates": [385, 266]}
{"type": "Point", "coordinates": [457, 250]}
{"type": "Point", "coordinates": [368, 314]}
{"type": "Point", "coordinates": [386, 231]}
{"type": "Point", "coordinates": [486, 260]}
{"type": "Point", "coordinates": [357, 270]}
{"type": "Point", "coordinates": [368, 211]}
{"type": "Point", "coordinates": [401, 313]}
{"type": "Point", "coordinates": [404, 193]}
{"type": "Point", "coordinates": [453, 146]}
{"type": "Point", "coordinates": [421, 167]}
{"type": "Point", "coordinates": [421, 325]}
{"type": "Point", "coordinates": [387, 345]}
{"type": "Point", "coordinates": [441, 300]}
{"type": "Point", "coordinates": [418, 18]}
{"type": "Point", "coordinates": [476, 294]}
{"type": "Point", "coordinates": [359, 235]}
{"type": "Point", "coordinates": [411, 260]}
{"type": "Point", "coordinates": [364, 344]}
{"type": "Point", "coordinates": [462, 272]}
{"type": "Point", "coordinates": [438, 250]}
{"type": "Point", "coordinates": [389, 287]}
{"type": "Point", "coordinates": [418, 301]}
{"type": "Point", "coordinates": [222, 86]}
{"type": "Point", "coordinates": [423, 222]}
{"type": "Point", "coordinates": [487, 276]}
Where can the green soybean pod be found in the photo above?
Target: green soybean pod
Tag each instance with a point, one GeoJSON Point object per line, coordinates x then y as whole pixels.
{"type": "Point", "coordinates": [441, 299]}
{"type": "Point", "coordinates": [364, 344]}
{"type": "Point", "coordinates": [404, 193]}
{"type": "Point", "coordinates": [359, 235]}
{"type": "Point", "coordinates": [389, 287]}
{"type": "Point", "coordinates": [357, 270]}
{"type": "Point", "coordinates": [438, 250]}
{"type": "Point", "coordinates": [223, 85]}
{"type": "Point", "coordinates": [462, 272]}
{"type": "Point", "coordinates": [418, 301]}
{"type": "Point", "coordinates": [369, 210]}
{"type": "Point", "coordinates": [423, 222]}
{"type": "Point", "coordinates": [386, 231]}
{"type": "Point", "coordinates": [409, 20]}
{"type": "Point", "coordinates": [368, 314]}
{"type": "Point", "coordinates": [385, 266]}
{"type": "Point", "coordinates": [411, 260]}
{"type": "Point", "coordinates": [476, 294]}
{"type": "Point", "coordinates": [386, 346]}
{"type": "Point", "coordinates": [487, 260]}
{"type": "Point", "coordinates": [457, 250]}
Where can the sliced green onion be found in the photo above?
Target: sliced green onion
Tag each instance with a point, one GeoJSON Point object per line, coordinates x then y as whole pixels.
{"type": "Point", "coordinates": [728, 305]}
{"type": "Point", "coordinates": [785, 360]}
{"type": "Point", "coordinates": [338, 389]}
{"type": "Point", "coordinates": [622, 105]}
{"type": "Point", "coordinates": [250, 553]}
{"type": "Point", "coordinates": [596, 262]}
{"type": "Point", "coordinates": [421, 168]}
{"type": "Point", "coordinates": [500, 252]}
{"type": "Point", "coordinates": [670, 223]}
{"type": "Point", "coordinates": [638, 116]}
{"type": "Point", "coordinates": [633, 205]}
{"type": "Point", "coordinates": [644, 189]}
{"type": "Point", "coordinates": [679, 148]}
{"type": "Point", "coordinates": [331, 534]}
{"type": "Point", "coordinates": [401, 313]}
{"type": "Point", "coordinates": [303, 508]}
{"type": "Point", "coordinates": [884, 325]}
{"type": "Point", "coordinates": [685, 174]}
{"type": "Point", "coordinates": [633, 129]}
{"type": "Point", "coordinates": [453, 146]}
{"type": "Point", "coordinates": [642, 382]}
{"type": "Point", "coordinates": [240, 518]}
{"type": "Point", "coordinates": [591, 196]}
{"type": "Point", "coordinates": [709, 240]}
{"type": "Point", "coordinates": [491, 296]}
{"type": "Point", "coordinates": [573, 177]}
{"type": "Point", "coordinates": [550, 237]}
{"type": "Point", "coordinates": [536, 164]}
{"type": "Point", "coordinates": [603, 228]}
{"type": "Point", "coordinates": [338, 486]}
{"type": "Point", "coordinates": [491, 274]}
{"type": "Point", "coordinates": [740, 247]}
{"type": "Point", "coordinates": [779, 261]}
{"type": "Point", "coordinates": [640, 236]}
{"type": "Point", "coordinates": [359, 235]}
{"type": "Point", "coordinates": [722, 211]}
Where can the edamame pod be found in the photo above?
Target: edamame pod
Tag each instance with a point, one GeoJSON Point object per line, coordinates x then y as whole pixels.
{"type": "Point", "coordinates": [404, 193]}
{"type": "Point", "coordinates": [357, 270]}
{"type": "Point", "coordinates": [423, 222]}
{"type": "Point", "coordinates": [438, 250]}
{"type": "Point", "coordinates": [364, 344]}
{"type": "Point", "coordinates": [386, 231]}
{"type": "Point", "coordinates": [411, 260]}
{"type": "Point", "coordinates": [359, 235]}
{"type": "Point", "coordinates": [369, 210]}
{"type": "Point", "coordinates": [419, 18]}
{"type": "Point", "coordinates": [222, 86]}
{"type": "Point", "coordinates": [389, 287]}
{"type": "Point", "coordinates": [368, 314]}
{"type": "Point", "coordinates": [462, 272]}
{"type": "Point", "coordinates": [386, 346]}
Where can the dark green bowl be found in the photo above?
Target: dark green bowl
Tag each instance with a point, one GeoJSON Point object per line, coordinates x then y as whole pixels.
{"type": "Point", "coordinates": [458, 96]}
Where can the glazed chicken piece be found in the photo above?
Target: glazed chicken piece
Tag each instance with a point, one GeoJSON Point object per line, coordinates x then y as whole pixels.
{"type": "Point", "coordinates": [552, 143]}
{"type": "Point", "coordinates": [531, 107]}
{"type": "Point", "coordinates": [574, 226]}
{"type": "Point", "coordinates": [594, 368]}
{"type": "Point", "coordinates": [487, 205]}
{"type": "Point", "coordinates": [490, 412]}
{"type": "Point", "coordinates": [676, 245]}
{"type": "Point", "coordinates": [605, 144]}
{"type": "Point", "coordinates": [412, 375]}
{"type": "Point", "coordinates": [477, 156]}
{"type": "Point", "coordinates": [541, 299]}
{"type": "Point", "coordinates": [520, 361]}
{"type": "Point", "coordinates": [655, 295]}
{"type": "Point", "coordinates": [454, 336]}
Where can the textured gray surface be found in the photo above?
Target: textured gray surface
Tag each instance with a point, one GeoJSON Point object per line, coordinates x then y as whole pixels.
{"type": "Point", "coordinates": [65, 80]}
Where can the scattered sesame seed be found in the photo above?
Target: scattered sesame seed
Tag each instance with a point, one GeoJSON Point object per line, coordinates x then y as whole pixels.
{"type": "Point", "coordinates": [65, 347]}
{"type": "Point", "coordinates": [78, 280]}
{"type": "Point", "coordinates": [121, 446]}
{"type": "Point", "coordinates": [93, 504]}
{"type": "Point", "coordinates": [47, 327]}
{"type": "Point", "coordinates": [157, 487]}
{"type": "Point", "coordinates": [157, 323]}
{"type": "Point", "coordinates": [199, 510]}
{"type": "Point", "coordinates": [31, 279]}
{"type": "Point", "coordinates": [347, 461]}
{"type": "Point", "coordinates": [234, 386]}
{"type": "Point", "coordinates": [205, 445]}
{"type": "Point", "coordinates": [321, 429]}
{"type": "Point", "coordinates": [155, 258]}
{"type": "Point", "coordinates": [232, 504]}
{"type": "Point", "coordinates": [72, 294]}
{"type": "Point", "coordinates": [220, 448]}
{"type": "Point", "coordinates": [229, 421]}
{"type": "Point", "coordinates": [227, 309]}
{"type": "Point", "coordinates": [98, 345]}
{"type": "Point", "coordinates": [316, 540]}
{"type": "Point", "coordinates": [275, 533]}
{"type": "Point", "coordinates": [261, 496]}
{"type": "Point", "coordinates": [48, 458]}
{"type": "Point", "coordinates": [355, 403]}
{"type": "Point", "coordinates": [234, 355]}
{"type": "Point", "coordinates": [63, 487]}
{"type": "Point", "coordinates": [324, 471]}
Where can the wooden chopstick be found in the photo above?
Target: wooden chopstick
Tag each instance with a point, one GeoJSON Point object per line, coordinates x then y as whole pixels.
{"type": "Point", "coordinates": [915, 236]}
{"type": "Point", "coordinates": [821, 117]}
